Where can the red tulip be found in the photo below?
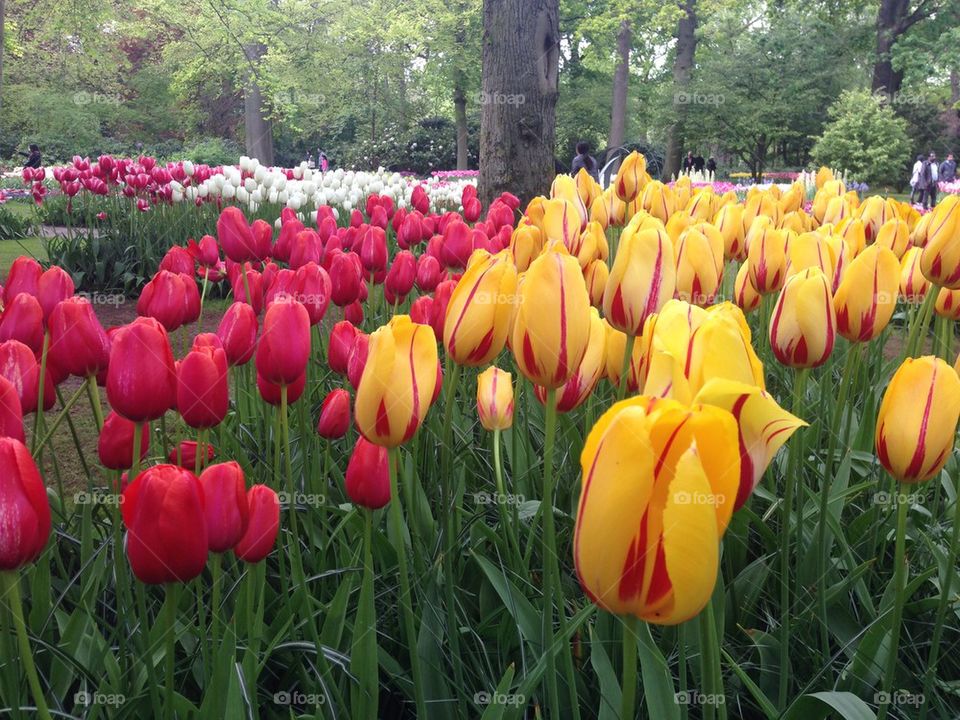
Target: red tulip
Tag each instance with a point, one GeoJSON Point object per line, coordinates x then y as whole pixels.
{"type": "Point", "coordinates": [262, 239]}
{"type": "Point", "coordinates": [357, 360]}
{"type": "Point", "coordinates": [345, 279]}
{"type": "Point", "coordinates": [164, 298]}
{"type": "Point", "coordinates": [115, 445]}
{"type": "Point", "coordinates": [191, 299]}
{"type": "Point", "coordinates": [208, 251]}
{"type": "Point", "coordinates": [373, 250]}
{"type": "Point", "coordinates": [457, 244]}
{"type": "Point", "coordinates": [441, 298]}
{"type": "Point", "coordinates": [25, 526]}
{"type": "Point", "coordinates": [203, 396]}
{"type": "Point", "coordinates": [24, 277]}
{"type": "Point", "coordinates": [54, 285]}
{"type": "Point", "coordinates": [186, 453]}
{"type": "Point", "coordinates": [284, 347]}
{"type": "Point", "coordinates": [472, 209]}
{"type": "Point", "coordinates": [334, 415]}
{"type": "Point", "coordinates": [11, 415]}
{"type": "Point", "coordinates": [262, 527]}
{"type": "Point", "coordinates": [255, 281]}
{"type": "Point", "coordinates": [402, 273]}
{"type": "Point", "coordinates": [163, 511]}
{"type": "Point", "coordinates": [19, 365]}
{"type": "Point", "coordinates": [225, 505]}
{"type": "Point", "coordinates": [368, 476]}
{"type": "Point", "coordinates": [341, 343]}
{"type": "Point", "coordinates": [141, 379]}
{"type": "Point", "coordinates": [421, 310]}
{"type": "Point", "coordinates": [313, 286]}
{"type": "Point", "coordinates": [307, 247]}
{"type": "Point", "coordinates": [353, 313]}
{"type": "Point", "coordinates": [78, 343]}
{"type": "Point", "coordinates": [238, 333]}
{"type": "Point", "coordinates": [178, 260]}
{"type": "Point", "coordinates": [429, 273]}
{"type": "Point", "coordinates": [420, 200]}
{"type": "Point", "coordinates": [23, 320]}
{"type": "Point", "coordinates": [235, 235]}
{"type": "Point", "coordinates": [270, 391]}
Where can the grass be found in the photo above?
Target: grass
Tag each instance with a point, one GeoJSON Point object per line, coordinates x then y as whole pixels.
{"type": "Point", "coordinates": [10, 250]}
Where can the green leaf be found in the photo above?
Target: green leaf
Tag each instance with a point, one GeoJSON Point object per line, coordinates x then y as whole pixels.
{"type": "Point", "coordinates": [817, 706]}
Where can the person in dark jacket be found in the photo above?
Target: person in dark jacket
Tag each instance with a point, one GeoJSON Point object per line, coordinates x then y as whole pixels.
{"type": "Point", "coordinates": [688, 162]}
{"type": "Point", "coordinates": [698, 163]}
{"type": "Point", "coordinates": [584, 160]}
{"type": "Point", "coordinates": [948, 169]}
{"type": "Point", "coordinates": [927, 184]}
{"type": "Point", "coordinates": [33, 157]}
{"type": "Point", "coordinates": [711, 165]}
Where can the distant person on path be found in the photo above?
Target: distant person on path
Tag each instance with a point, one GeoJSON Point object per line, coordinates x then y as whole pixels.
{"type": "Point", "coordinates": [948, 169]}
{"type": "Point", "coordinates": [33, 157]}
{"type": "Point", "coordinates": [585, 160]}
{"type": "Point", "coordinates": [711, 165]}
{"type": "Point", "coordinates": [323, 162]}
{"type": "Point", "coordinates": [928, 181]}
{"type": "Point", "coordinates": [688, 162]}
{"type": "Point", "coordinates": [698, 163]}
{"type": "Point", "coordinates": [915, 192]}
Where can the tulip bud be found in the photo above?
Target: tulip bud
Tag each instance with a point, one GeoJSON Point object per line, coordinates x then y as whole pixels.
{"type": "Point", "coordinates": [26, 512]}
{"type": "Point", "coordinates": [917, 420]}
{"type": "Point", "coordinates": [284, 347]}
{"type": "Point", "coordinates": [642, 279]}
{"type": "Point", "coordinates": [345, 279]}
{"type": "Point", "coordinates": [947, 304]}
{"type": "Point", "coordinates": [235, 235]}
{"type": "Point", "coordinates": [164, 298]}
{"type": "Point", "coordinates": [398, 381]}
{"type": "Point", "coordinates": [803, 326]}
{"type": "Point", "coordinates": [745, 294]}
{"type": "Point", "coordinates": [594, 364]}
{"type": "Point", "coordinates": [940, 261]}
{"type": "Point", "coordinates": [595, 276]}
{"type": "Point", "coordinates": [238, 333]}
{"type": "Point", "coordinates": [115, 444]}
{"type": "Point", "coordinates": [867, 295]}
{"type": "Point", "coordinates": [55, 285]}
{"type": "Point", "coordinates": [367, 479]}
{"type": "Point", "coordinates": [203, 396]}
{"type": "Point", "coordinates": [141, 378]}
{"type": "Point", "coordinates": [630, 176]}
{"type": "Point", "coordinates": [913, 285]}
{"type": "Point", "coordinates": [429, 273]}
{"type": "Point", "coordinates": [334, 415]}
{"type": "Point", "coordinates": [78, 342]}
{"type": "Point", "coordinates": [11, 414]}
{"type": "Point", "coordinates": [342, 336]}
{"type": "Point", "coordinates": [767, 260]}
{"type": "Point", "coordinates": [699, 264]}
{"type": "Point", "coordinates": [495, 398]}
{"type": "Point", "coordinates": [895, 235]}
{"type": "Point", "coordinates": [23, 320]}
{"type": "Point", "coordinates": [225, 505]}
{"type": "Point", "coordinates": [263, 524]}
{"type": "Point", "coordinates": [24, 277]}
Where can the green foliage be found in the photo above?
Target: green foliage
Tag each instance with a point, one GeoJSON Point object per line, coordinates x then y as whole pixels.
{"type": "Point", "coordinates": [212, 151]}
{"type": "Point", "coordinates": [866, 138]}
{"type": "Point", "coordinates": [15, 225]}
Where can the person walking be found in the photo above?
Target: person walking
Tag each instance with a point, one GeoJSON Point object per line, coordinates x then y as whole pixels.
{"type": "Point", "coordinates": [915, 192]}
{"type": "Point", "coordinates": [712, 165]}
{"type": "Point", "coordinates": [585, 160]}
{"type": "Point", "coordinates": [688, 162]}
{"type": "Point", "coordinates": [948, 169]}
{"type": "Point", "coordinates": [927, 183]}
{"type": "Point", "coordinates": [698, 162]}
{"type": "Point", "coordinates": [33, 158]}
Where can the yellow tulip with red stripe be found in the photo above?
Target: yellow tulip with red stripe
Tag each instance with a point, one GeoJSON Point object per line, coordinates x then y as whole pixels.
{"type": "Point", "coordinates": [398, 381]}
{"type": "Point", "coordinates": [595, 275]}
{"type": "Point", "coordinates": [918, 235]}
{"type": "Point", "coordinates": [947, 304]}
{"type": "Point", "coordinates": [495, 398]}
{"type": "Point", "coordinates": [803, 325]}
{"type": "Point", "coordinates": [526, 242]}
{"type": "Point", "coordinates": [561, 222]}
{"type": "Point", "coordinates": [659, 200]}
{"type": "Point", "coordinates": [729, 221]}
{"type": "Point", "coordinates": [838, 210]}
{"type": "Point", "coordinates": [642, 279]}
{"type": "Point", "coordinates": [940, 262]}
{"type": "Point", "coordinates": [767, 260]}
{"type": "Point", "coordinates": [677, 224]}
{"type": "Point", "coordinates": [588, 188]}
{"type": "Point", "coordinates": [564, 187]}
{"type": "Point", "coordinates": [703, 204]}
{"type": "Point", "coordinates": [874, 212]}
{"type": "Point", "coordinates": [917, 420]}
{"type": "Point", "coordinates": [808, 250]}
{"type": "Point", "coordinates": [761, 204]}
{"type": "Point", "coordinates": [478, 313]}
{"type": "Point", "coordinates": [630, 176]}
{"type": "Point", "coordinates": [867, 295]}
{"type": "Point", "coordinates": [744, 293]}
{"type": "Point", "coordinates": [591, 246]}
{"type": "Point", "coordinates": [578, 388]}
{"type": "Point", "coordinates": [536, 210]}
{"type": "Point", "coordinates": [682, 190]}
{"type": "Point", "coordinates": [659, 481]}
{"type": "Point", "coordinates": [830, 190]}
{"type": "Point", "coordinates": [913, 285]}
{"type": "Point", "coordinates": [616, 346]}
{"type": "Point", "coordinates": [894, 234]}
{"type": "Point", "coordinates": [699, 264]}
{"type": "Point", "coordinates": [853, 233]}
{"type": "Point", "coordinates": [551, 327]}
{"type": "Point", "coordinates": [843, 255]}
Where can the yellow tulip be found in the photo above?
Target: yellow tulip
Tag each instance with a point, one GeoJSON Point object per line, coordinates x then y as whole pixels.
{"type": "Point", "coordinates": [629, 180]}
{"type": "Point", "coordinates": [918, 235]}
{"type": "Point", "coordinates": [838, 210]}
{"type": "Point", "coordinates": [853, 233]}
{"type": "Point", "coordinates": [702, 205]}
{"type": "Point", "coordinates": [874, 212]}
{"type": "Point", "coordinates": [843, 255]}
{"type": "Point", "coordinates": [699, 265]}
{"type": "Point", "coordinates": [795, 221]}
{"type": "Point", "coordinates": [683, 189]}
{"type": "Point", "coordinates": [824, 175]}
{"type": "Point", "coordinates": [947, 304]}
{"type": "Point", "coordinates": [593, 366]}
{"type": "Point", "coordinates": [803, 325]}
{"type": "Point", "coordinates": [565, 187]}
{"type": "Point", "coordinates": [616, 346]}
{"type": "Point", "coordinates": [535, 210]}
{"type": "Point", "coordinates": [940, 261]}
{"type": "Point", "coordinates": [867, 295]}
{"type": "Point", "coordinates": [552, 324]}
{"type": "Point", "coordinates": [561, 222]}
{"type": "Point", "coordinates": [398, 381]}
{"type": "Point", "coordinates": [767, 260]}
{"type": "Point", "coordinates": [761, 204]}
{"type": "Point", "coordinates": [913, 285]}
{"type": "Point", "coordinates": [588, 188]}
{"type": "Point", "coordinates": [729, 221]}
{"type": "Point", "coordinates": [659, 200]}
{"type": "Point", "coordinates": [495, 398]}
{"type": "Point", "coordinates": [745, 294]}
{"type": "Point", "coordinates": [792, 200]}
{"type": "Point", "coordinates": [677, 224]}
{"type": "Point", "coordinates": [595, 276]}
{"type": "Point", "coordinates": [810, 250]}
{"type": "Point", "coordinates": [642, 279]}
{"type": "Point", "coordinates": [831, 189]}
{"type": "Point", "coordinates": [659, 480]}
{"type": "Point", "coordinates": [917, 420]}
{"type": "Point", "coordinates": [591, 246]}
{"type": "Point", "coordinates": [526, 242]}
{"type": "Point", "coordinates": [894, 234]}
{"type": "Point", "coordinates": [478, 313]}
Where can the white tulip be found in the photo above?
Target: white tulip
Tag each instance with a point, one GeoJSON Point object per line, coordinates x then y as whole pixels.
{"type": "Point", "coordinates": [282, 197]}
{"type": "Point", "coordinates": [242, 195]}
{"type": "Point", "coordinates": [254, 206]}
{"type": "Point", "coordinates": [229, 191]}
{"type": "Point", "coordinates": [272, 197]}
{"type": "Point", "coordinates": [250, 184]}
{"type": "Point", "coordinates": [189, 170]}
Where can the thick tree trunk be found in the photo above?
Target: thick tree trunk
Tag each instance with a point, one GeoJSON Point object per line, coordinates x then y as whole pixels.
{"type": "Point", "coordinates": [621, 76]}
{"type": "Point", "coordinates": [682, 70]}
{"type": "Point", "coordinates": [460, 116]}
{"type": "Point", "coordinates": [952, 115]}
{"type": "Point", "coordinates": [890, 17]}
{"type": "Point", "coordinates": [257, 123]}
{"type": "Point", "coordinates": [519, 97]}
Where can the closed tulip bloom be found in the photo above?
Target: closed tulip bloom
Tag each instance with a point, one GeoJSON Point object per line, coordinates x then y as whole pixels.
{"type": "Point", "coordinates": [495, 398]}
{"type": "Point", "coordinates": [164, 298]}
{"type": "Point", "coordinates": [141, 378]}
{"type": "Point", "coordinates": [630, 176]}
{"type": "Point", "coordinates": [115, 444]}
{"type": "Point", "coordinates": [874, 212]}
{"type": "Point", "coordinates": [262, 238]}
{"type": "Point", "coordinates": [526, 243]}
{"type": "Point", "coordinates": [659, 482]}
{"type": "Point", "coordinates": [593, 366]}
{"type": "Point", "coordinates": [25, 528]}
{"type": "Point", "coordinates": [78, 342]}
{"type": "Point", "coordinates": [562, 222]}
{"type": "Point", "coordinates": [642, 279]}
{"type": "Point", "coordinates": [895, 235]}
{"type": "Point", "coordinates": [312, 287]}
{"type": "Point", "coordinates": [913, 285]}
{"type": "Point", "coordinates": [186, 454]}
{"type": "Point", "coordinates": [11, 414]}
{"type": "Point", "coordinates": [767, 260]}
{"type": "Point", "coordinates": [616, 345]}
{"type": "Point", "coordinates": [917, 420]}
{"type": "Point", "coordinates": [729, 221]}
{"type": "Point", "coordinates": [367, 479]}
{"type": "Point", "coordinates": [263, 524]}
{"type": "Point", "coordinates": [284, 347]}
{"type": "Point", "coordinates": [421, 310]}
{"type": "Point", "coordinates": [357, 359]}
{"type": "Point", "coordinates": [803, 325]}
{"type": "Point", "coordinates": [23, 320]}
{"type": "Point", "coordinates": [699, 265]}
{"type": "Point", "coordinates": [429, 273]}
{"type": "Point", "coordinates": [163, 511]}
{"type": "Point", "coordinates": [867, 295]}
{"type": "Point", "coordinates": [854, 234]}
{"type": "Point", "coordinates": [24, 277]}
{"type": "Point", "coordinates": [203, 395]}
{"type": "Point", "coordinates": [345, 279]}
{"type": "Point", "coordinates": [940, 261]}
{"type": "Point", "coordinates": [334, 415]}
{"type": "Point", "coordinates": [477, 319]}
{"type": "Point", "coordinates": [947, 304]}
{"type": "Point", "coordinates": [342, 336]}
{"type": "Point", "coordinates": [810, 250]}
{"type": "Point", "coordinates": [225, 505]}
{"type": "Point", "coordinates": [595, 275]}
{"type": "Point", "coordinates": [402, 273]}
{"type": "Point", "coordinates": [549, 345]}
{"type": "Point", "coordinates": [659, 200]}
{"type": "Point", "coordinates": [54, 286]}
{"type": "Point", "coordinates": [398, 381]}
{"type": "Point", "coordinates": [271, 391]}
{"type": "Point", "coordinates": [19, 365]}
{"type": "Point", "coordinates": [744, 293]}
{"type": "Point", "coordinates": [235, 235]}
{"type": "Point", "coordinates": [238, 333]}
{"type": "Point", "coordinates": [255, 283]}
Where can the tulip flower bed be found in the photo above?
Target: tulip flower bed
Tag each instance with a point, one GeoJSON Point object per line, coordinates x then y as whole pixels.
{"type": "Point", "coordinates": [649, 451]}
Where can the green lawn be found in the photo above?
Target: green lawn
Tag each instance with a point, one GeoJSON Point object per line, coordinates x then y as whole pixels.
{"type": "Point", "coordinates": [10, 250]}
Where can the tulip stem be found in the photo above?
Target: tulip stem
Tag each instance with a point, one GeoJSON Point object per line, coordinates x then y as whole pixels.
{"type": "Point", "coordinates": [395, 530]}
{"type": "Point", "coordinates": [94, 394]}
{"type": "Point", "coordinates": [56, 423]}
{"type": "Point", "coordinates": [41, 384]}
{"type": "Point", "coordinates": [363, 660]}
{"type": "Point", "coordinates": [504, 504]}
{"type": "Point", "coordinates": [918, 328]}
{"type": "Point", "coordinates": [945, 601]}
{"type": "Point", "coordinates": [203, 296]}
{"type": "Point", "coordinates": [792, 478]}
{"type": "Point", "coordinates": [169, 628]}
{"type": "Point", "coordinates": [11, 590]}
{"type": "Point", "coordinates": [710, 660]}
{"type": "Point", "coordinates": [900, 588]}
{"type": "Point", "coordinates": [135, 460]}
{"type": "Point", "coordinates": [625, 367]}
{"type": "Point", "coordinates": [628, 688]}
{"type": "Point", "coordinates": [215, 568]}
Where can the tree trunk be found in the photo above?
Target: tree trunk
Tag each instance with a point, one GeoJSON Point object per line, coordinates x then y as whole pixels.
{"type": "Point", "coordinates": [519, 97]}
{"type": "Point", "coordinates": [618, 116]}
{"type": "Point", "coordinates": [952, 116]}
{"type": "Point", "coordinates": [682, 70]}
{"type": "Point", "coordinates": [256, 120]}
{"type": "Point", "coordinates": [460, 115]}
